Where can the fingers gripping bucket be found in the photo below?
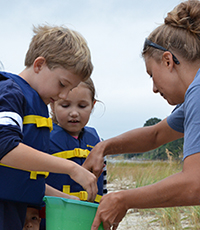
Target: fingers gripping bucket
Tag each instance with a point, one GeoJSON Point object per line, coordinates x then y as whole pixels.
{"type": "Point", "coordinates": [66, 214]}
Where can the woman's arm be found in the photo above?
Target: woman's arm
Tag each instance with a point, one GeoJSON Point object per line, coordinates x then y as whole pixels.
{"type": "Point", "coordinates": [181, 189]}
{"type": "Point", "coordinates": [134, 141]}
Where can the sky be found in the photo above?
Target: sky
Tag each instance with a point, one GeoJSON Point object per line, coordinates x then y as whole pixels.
{"type": "Point", "coordinates": [115, 31]}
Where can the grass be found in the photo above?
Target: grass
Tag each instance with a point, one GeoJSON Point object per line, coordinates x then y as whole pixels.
{"type": "Point", "coordinates": [126, 175]}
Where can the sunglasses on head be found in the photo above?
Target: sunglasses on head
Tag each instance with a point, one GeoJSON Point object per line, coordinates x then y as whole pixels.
{"type": "Point", "coordinates": [154, 45]}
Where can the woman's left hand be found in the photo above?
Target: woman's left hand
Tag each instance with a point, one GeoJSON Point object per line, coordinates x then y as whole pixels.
{"type": "Point", "coordinates": [111, 211]}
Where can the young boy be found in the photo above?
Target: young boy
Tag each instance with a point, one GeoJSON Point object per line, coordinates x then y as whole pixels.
{"type": "Point", "coordinates": [57, 60]}
{"type": "Point", "coordinates": [32, 220]}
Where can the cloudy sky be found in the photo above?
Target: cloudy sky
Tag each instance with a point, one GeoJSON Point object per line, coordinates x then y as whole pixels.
{"type": "Point", "coordinates": [115, 31]}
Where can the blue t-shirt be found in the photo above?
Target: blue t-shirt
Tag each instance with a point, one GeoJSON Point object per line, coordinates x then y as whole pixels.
{"type": "Point", "coordinates": [12, 107]}
{"type": "Point", "coordinates": [186, 118]}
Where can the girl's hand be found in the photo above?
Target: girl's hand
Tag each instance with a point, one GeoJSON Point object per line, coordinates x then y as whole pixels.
{"type": "Point", "coordinates": [111, 211]}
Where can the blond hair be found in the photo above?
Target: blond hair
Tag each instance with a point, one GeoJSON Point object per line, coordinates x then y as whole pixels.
{"type": "Point", "coordinates": [61, 47]}
{"type": "Point", "coordinates": [180, 33]}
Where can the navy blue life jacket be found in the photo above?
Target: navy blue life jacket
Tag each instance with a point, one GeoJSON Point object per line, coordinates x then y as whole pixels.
{"type": "Point", "coordinates": [20, 185]}
{"type": "Point", "coordinates": [63, 145]}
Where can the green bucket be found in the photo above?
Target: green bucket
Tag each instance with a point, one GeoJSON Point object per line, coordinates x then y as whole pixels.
{"type": "Point", "coordinates": [67, 214]}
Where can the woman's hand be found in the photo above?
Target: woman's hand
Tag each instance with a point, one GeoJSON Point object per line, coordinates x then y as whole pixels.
{"type": "Point", "coordinates": [95, 160]}
{"type": "Point", "coordinates": [111, 211]}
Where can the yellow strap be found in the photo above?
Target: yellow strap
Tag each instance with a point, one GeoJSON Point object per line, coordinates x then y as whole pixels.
{"type": "Point", "coordinates": [98, 198]}
{"type": "Point", "coordinates": [90, 146]}
{"type": "Point", "coordinates": [39, 121]}
{"type": "Point", "coordinates": [33, 174]}
{"type": "Point", "coordinates": [82, 195]}
{"type": "Point", "coordinates": [82, 153]}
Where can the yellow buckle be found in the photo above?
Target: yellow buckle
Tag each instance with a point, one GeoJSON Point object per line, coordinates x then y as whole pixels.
{"type": "Point", "coordinates": [82, 195]}
{"type": "Point", "coordinates": [33, 174]}
{"type": "Point", "coordinates": [77, 152]}
{"type": "Point", "coordinates": [44, 122]}
{"type": "Point", "coordinates": [81, 152]}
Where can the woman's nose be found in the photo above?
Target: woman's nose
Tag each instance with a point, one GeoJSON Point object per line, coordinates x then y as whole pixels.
{"type": "Point", "coordinates": [155, 90]}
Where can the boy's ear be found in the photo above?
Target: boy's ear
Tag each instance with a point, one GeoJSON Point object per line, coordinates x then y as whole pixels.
{"type": "Point", "coordinates": [38, 64]}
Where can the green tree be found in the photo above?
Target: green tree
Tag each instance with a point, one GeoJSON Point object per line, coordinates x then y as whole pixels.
{"type": "Point", "coordinates": [152, 121]}
{"type": "Point", "coordinates": [174, 148]}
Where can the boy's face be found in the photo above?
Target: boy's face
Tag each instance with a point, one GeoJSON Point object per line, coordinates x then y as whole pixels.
{"type": "Point", "coordinates": [73, 114]}
{"type": "Point", "coordinates": [54, 84]}
{"type": "Point", "coordinates": [32, 219]}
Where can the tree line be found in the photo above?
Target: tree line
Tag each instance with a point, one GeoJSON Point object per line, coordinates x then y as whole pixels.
{"type": "Point", "coordinates": [172, 150]}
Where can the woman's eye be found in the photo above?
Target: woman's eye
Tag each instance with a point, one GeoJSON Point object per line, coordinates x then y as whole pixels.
{"type": "Point", "coordinates": [62, 84]}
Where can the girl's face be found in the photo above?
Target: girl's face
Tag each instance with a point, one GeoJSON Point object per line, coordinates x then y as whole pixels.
{"type": "Point", "coordinates": [73, 113]}
{"type": "Point", "coordinates": [165, 80]}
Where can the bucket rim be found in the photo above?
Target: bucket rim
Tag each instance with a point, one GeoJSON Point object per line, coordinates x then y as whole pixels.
{"type": "Point", "coordinates": [71, 201]}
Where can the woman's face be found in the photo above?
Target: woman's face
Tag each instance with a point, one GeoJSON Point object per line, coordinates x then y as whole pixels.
{"type": "Point", "coordinates": [165, 80]}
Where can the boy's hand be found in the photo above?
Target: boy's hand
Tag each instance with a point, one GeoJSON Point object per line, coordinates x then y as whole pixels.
{"type": "Point", "coordinates": [86, 179]}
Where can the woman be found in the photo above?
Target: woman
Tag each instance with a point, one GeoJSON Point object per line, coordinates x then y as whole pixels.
{"type": "Point", "coordinates": [172, 59]}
